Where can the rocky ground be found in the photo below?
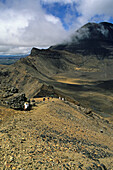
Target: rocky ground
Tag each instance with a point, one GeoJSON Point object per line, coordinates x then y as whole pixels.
{"type": "Point", "coordinates": [56, 135]}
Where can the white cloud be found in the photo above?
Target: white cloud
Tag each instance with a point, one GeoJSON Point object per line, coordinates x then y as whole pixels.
{"type": "Point", "coordinates": [25, 23]}
{"type": "Point", "coordinates": [94, 10]}
{"type": "Point", "coordinates": [90, 11]}
{"type": "Point", "coordinates": [92, 7]}
{"type": "Point", "coordinates": [86, 11]}
{"type": "Point", "coordinates": [52, 19]}
{"type": "Point", "coordinates": [60, 1]}
{"type": "Point", "coordinates": [13, 50]}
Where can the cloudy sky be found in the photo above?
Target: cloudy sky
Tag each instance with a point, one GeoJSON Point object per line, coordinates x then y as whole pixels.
{"type": "Point", "coordinates": [42, 23]}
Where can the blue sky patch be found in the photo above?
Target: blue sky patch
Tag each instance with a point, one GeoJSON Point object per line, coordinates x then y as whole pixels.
{"type": "Point", "coordinates": [66, 12]}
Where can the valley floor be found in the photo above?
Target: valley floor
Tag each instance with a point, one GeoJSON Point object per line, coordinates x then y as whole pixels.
{"type": "Point", "coordinates": [54, 135]}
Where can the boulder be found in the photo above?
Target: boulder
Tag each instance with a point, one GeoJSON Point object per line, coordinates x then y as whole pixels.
{"type": "Point", "coordinates": [10, 96]}
{"type": "Point", "coordinates": [33, 103]}
{"type": "Point", "coordinates": [9, 91]}
{"type": "Point", "coordinates": [87, 111]}
{"type": "Point", "coordinates": [17, 101]}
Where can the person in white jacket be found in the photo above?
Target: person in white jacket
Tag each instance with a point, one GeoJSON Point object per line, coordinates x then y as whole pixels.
{"type": "Point", "coordinates": [26, 106]}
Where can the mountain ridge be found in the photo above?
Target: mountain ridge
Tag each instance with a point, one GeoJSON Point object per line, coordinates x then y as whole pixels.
{"type": "Point", "coordinates": [53, 135]}
{"type": "Point", "coordinates": [91, 39]}
{"type": "Point", "coordinates": [76, 72]}
{"type": "Point", "coordinates": [70, 122]}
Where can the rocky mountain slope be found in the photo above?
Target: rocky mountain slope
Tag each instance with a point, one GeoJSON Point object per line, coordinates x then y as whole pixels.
{"type": "Point", "coordinates": [55, 134]}
{"type": "Point", "coordinates": [80, 69]}
{"type": "Point", "coordinates": [91, 39]}
{"type": "Point", "coordinates": [73, 133]}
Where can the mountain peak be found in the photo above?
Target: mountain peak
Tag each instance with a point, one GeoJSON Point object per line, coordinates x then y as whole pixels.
{"type": "Point", "coordinates": [91, 39]}
{"type": "Point", "coordinates": [95, 31]}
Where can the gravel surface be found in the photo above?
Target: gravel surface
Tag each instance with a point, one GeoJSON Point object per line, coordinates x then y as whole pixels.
{"type": "Point", "coordinates": [55, 135]}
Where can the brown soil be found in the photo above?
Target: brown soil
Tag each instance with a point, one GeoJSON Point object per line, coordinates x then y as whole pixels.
{"type": "Point", "coordinates": [55, 134]}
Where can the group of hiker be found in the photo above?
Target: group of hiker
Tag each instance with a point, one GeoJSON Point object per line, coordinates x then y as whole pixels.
{"type": "Point", "coordinates": [45, 99]}
{"type": "Point", "coordinates": [27, 104]}
{"type": "Point", "coordinates": [60, 98]}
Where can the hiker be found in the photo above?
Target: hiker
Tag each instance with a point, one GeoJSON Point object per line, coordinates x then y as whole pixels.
{"type": "Point", "coordinates": [26, 106]}
{"type": "Point", "coordinates": [44, 99]}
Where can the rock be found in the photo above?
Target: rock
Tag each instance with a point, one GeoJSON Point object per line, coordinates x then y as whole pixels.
{"type": "Point", "coordinates": [80, 165]}
{"type": "Point", "coordinates": [9, 91]}
{"type": "Point", "coordinates": [106, 121]}
{"type": "Point", "coordinates": [103, 166]}
{"type": "Point", "coordinates": [99, 168]}
{"type": "Point", "coordinates": [23, 140]}
{"type": "Point", "coordinates": [87, 111]}
{"type": "Point", "coordinates": [34, 51]}
{"type": "Point", "coordinates": [40, 162]}
{"type": "Point", "coordinates": [7, 94]}
{"type": "Point", "coordinates": [89, 168]}
{"type": "Point", "coordinates": [33, 103]}
{"type": "Point", "coordinates": [11, 158]}
{"type": "Point", "coordinates": [17, 101]}
{"type": "Point", "coordinates": [12, 98]}
{"type": "Point", "coordinates": [4, 73]}
{"type": "Point", "coordinates": [6, 102]}
{"type": "Point", "coordinates": [14, 90]}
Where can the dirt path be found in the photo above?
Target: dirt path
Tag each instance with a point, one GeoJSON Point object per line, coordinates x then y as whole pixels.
{"type": "Point", "coordinates": [54, 135]}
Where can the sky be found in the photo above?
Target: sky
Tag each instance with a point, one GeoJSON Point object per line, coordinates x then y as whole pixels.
{"type": "Point", "coordinates": [41, 23]}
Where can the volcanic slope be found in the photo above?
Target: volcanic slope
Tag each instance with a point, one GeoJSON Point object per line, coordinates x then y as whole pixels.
{"type": "Point", "coordinates": [55, 134]}
{"type": "Point", "coordinates": [93, 38]}
{"type": "Point", "coordinates": [58, 134]}
{"type": "Point", "coordinates": [81, 69]}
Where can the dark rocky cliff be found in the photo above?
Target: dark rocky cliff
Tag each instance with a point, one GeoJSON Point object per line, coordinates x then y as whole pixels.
{"type": "Point", "coordinates": [54, 54]}
{"type": "Point", "coordinates": [91, 39]}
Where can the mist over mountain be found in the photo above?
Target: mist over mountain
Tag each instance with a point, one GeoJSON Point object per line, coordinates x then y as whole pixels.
{"type": "Point", "coordinates": [80, 69]}
{"type": "Point", "coordinates": [91, 39]}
